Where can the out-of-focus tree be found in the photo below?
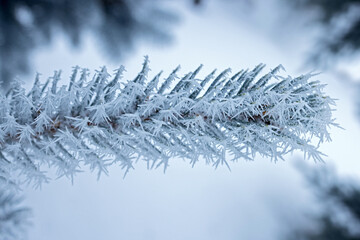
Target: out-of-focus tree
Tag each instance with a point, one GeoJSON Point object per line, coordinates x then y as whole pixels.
{"type": "Point", "coordinates": [14, 219]}
{"type": "Point", "coordinates": [341, 22]}
{"type": "Point", "coordinates": [340, 216]}
{"type": "Point", "coordinates": [118, 24]}
{"type": "Point", "coordinates": [340, 40]}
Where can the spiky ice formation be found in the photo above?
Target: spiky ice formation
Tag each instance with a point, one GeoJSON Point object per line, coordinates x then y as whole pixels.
{"type": "Point", "coordinates": [101, 121]}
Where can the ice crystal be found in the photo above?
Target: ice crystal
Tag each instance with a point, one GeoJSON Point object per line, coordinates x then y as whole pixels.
{"type": "Point", "coordinates": [98, 121]}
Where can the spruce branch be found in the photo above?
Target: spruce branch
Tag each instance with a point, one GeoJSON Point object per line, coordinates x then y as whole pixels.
{"type": "Point", "coordinates": [102, 120]}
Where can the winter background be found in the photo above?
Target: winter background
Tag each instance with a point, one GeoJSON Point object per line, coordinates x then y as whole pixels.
{"type": "Point", "coordinates": [258, 199]}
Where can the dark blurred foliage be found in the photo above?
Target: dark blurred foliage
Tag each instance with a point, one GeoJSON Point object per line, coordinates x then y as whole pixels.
{"type": "Point", "coordinates": [14, 219]}
{"type": "Point", "coordinates": [26, 24]}
{"type": "Point", "coordinates": [340, 199]}
{"type": "Point", "coordinates": [341, 19]}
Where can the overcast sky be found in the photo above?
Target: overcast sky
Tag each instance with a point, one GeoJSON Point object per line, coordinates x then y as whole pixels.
{"type": "Point", "coordinates": [256, 200]}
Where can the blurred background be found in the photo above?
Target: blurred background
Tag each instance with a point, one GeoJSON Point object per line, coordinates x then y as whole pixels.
{"type": "Point", "coordinates": [291, 199]}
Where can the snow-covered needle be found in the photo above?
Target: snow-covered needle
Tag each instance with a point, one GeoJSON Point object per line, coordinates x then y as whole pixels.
{"type": "Point", "coordinates": [98, 121]}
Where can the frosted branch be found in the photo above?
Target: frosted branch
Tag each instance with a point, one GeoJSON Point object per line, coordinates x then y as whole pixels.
{"type": "Point", "coordinates": [105, 120]}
